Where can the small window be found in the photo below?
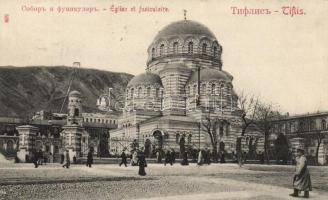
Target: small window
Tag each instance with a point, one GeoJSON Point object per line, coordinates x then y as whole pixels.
{"type": "Point", "coordinates": [213, 89]}
{"type": "Point", "coordinates": [175, 47]}
{"type": "Point", "coordinates": [190, 47]}
{"type": "Point", "coordinates": [204, 48]}
{"type": "Point", "coordinates": [139, 91]}
{"type": "Point", "coordinates": [157, 92]}
{"type": "Point", "coordinates": [148, 91]}
{"type": "Point", "coordinates": [161, 50]}
{"type": "Point", "coordinates": [215, 51]}
{"type": "Point", "coordinates": [153, 53]}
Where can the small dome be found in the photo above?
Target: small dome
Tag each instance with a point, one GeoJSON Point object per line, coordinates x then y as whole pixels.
{"type": "Point", "coordinates": [209, 75]}
{"type": "Point", "coordinates": [145, 79]}
{"type": "Point", "coordinates": [75, 93]}
{"type": "Point", "coordinates": [184, 27]}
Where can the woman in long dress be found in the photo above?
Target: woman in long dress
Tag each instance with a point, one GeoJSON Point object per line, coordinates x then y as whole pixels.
{"type": "Point", "coordinates": [302, 179]}
{"type": "Point", "coordinates": [200, 158]}
{"type": "Point", "coordinates": [142, 163]}
{"type": "Point", "coordinates": [134, 160]}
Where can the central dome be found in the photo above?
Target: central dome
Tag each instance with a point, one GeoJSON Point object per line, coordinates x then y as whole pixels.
{"type": "Point", "coordinates": [184, 40]}
{"type": "Point", "coordinates": [184, 27]}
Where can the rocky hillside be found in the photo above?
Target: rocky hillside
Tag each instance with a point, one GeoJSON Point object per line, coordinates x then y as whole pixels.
{"type": "Point", "coordinates": [25, 90]}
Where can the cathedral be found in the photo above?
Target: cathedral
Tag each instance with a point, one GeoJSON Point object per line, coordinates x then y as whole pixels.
{"type": "Point", "coordinates": [183, 86]}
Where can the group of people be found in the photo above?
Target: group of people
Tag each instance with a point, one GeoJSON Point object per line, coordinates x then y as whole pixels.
{"type": "Point", "coordinates": [138, 159]}
{"type": "Point", "coordinates": [39, 158]}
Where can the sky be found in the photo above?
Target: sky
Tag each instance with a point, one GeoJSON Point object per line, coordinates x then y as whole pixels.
{"type": "Point", "coordinates": [281, 58]}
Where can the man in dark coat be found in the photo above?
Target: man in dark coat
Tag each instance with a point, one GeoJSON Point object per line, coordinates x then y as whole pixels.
{"type": "Point", "coordinates": [185, 158]}
{"type": "Point", "coordinates": [67, 159]}
{"type": "Point", "coordinates": [222, 160]}
{"type": "Point", "coordinates": [124, 159]}
{"type": "Point", "coordinates": [168, 158]}
{"type": "Point", "coordinates": [302, 179]}
{"type": "Point", "coordinates": [142, 163]}
{"type": "Point", "coordinates": [90, 158]}
{"type": "Point", "coordinates": [35, 158]}
{"type": "Point", "coordinates": [172, 156]}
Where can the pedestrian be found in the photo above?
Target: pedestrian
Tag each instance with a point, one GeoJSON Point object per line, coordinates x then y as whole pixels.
{"type": "Point", "coordinates": [90, 158]}
{"type": "Point", "coordinates": [35, 158]}
{"type": "Point", "coordinates": [200, 158]}
{"type": "Point", "coordinates": [208, 156]}
{"type": "Point", "coordinates": [222, 160]}
{"type": "Point", "coordinates": [123, 158]}
{"type": "Point", "coordinates": [302, 179]}
{"type": "Point", "coordinates": [142, 163]}
{"type": "Point", "coordinates": [245, 157]}
{"type": "Point", "coordinates": [134, 160]}
{"type": "Point", "coordinates": [67, 159]}
{"type": "Point", "coordinates": [185, 158]}
{"type": "Point", "coordinates": [62, 158]}
{"type": "Point", "coordinates": [159, 156]}
{"type": "Point", "coordinates": [40, 157]}
{"type": "Point", "coordinates": [240, 158]}
{"type": "Point", "coordinates": [168, 158]}
{"type": "Point", "coordinates": [172, 156]}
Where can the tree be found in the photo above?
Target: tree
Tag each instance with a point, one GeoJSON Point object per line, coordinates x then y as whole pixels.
{"type": "Point", "coordinates": [249, 106]}
{"type": "Point", "coordinates": [281, 148]}
{"type": "Point", "coordinates": [319, 135]}
{"type": "Point", "coordinates": [264, 115]}
{"type": "Point", "coordinates": [211, 125]}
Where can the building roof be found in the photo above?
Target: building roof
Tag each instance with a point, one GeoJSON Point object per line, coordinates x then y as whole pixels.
{"type": "Point", "coordinates": [184, 27]}
{"type": "Point", "coordinates": [209, 75]}
{"type": "Point", "coordinates": [147, 78]}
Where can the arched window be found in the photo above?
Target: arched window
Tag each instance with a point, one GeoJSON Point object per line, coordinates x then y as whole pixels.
{"type": "Point", "coordinates": [177, 138]}
{"type": "Point", "coordinates": [157, 92]}
{"type": "Point", "coordinates": [323, 124]}
{"type": "Point", "coordinates": [213, 89]}
{"type": "Point", "coordinates": [148, 91]}
{"type": "Point", "coordinates": [161, 50]}
{"type": "Point", "coordinates": [153, 53]}
{"type": "Point", "coordinates": [312, 126]}
{"type": "Point", "coordinates": [204, 47]}
{"type": "Point", "coordinates": [139, 91]}
{"type": "Point", "coordinates": [132, 91]}
{"type": "Point", "coordinates": [190, 47]}
{"type": "Point", "coordinates": [189, 138]}
{"type": "Point", "coordinates": [188, 90]}
{"type": "Point", "coordinates": [194, 91]}
{"type": "Point", "coordinates": [203, 89]}
{"type": "Point", "coordinates": [175, 47]}
{"type": "Point", "coordinates": [215, 51]}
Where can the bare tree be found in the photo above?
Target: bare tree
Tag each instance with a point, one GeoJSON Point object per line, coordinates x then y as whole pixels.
{"type": "Point", "coordinates": [319, 135]}
{"type": "Point", "coordinates": [265, 114]}
{"type": "Point", "coordinates": [211, 125]}
{"type": "Point", "coordinates": [249, 105]}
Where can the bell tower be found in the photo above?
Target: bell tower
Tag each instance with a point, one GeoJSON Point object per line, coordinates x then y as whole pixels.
{"type": "Point", "coordinates": [74, 108]}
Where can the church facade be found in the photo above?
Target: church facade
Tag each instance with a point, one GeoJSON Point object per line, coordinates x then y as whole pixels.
{"type": "Point", "coordinates": [183, 86]}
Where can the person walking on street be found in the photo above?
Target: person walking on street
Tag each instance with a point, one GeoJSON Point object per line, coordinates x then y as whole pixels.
{"type": "Point", "coordinates": [90, 158]}
{"type": "Point", "coordinates": [200, 158]}
{"type": "Point", "coordinates": [142, 163]}
{"type": "Point", "coordinates": [67, 159]}
{"type": "Point", "coordinates": [185, 158]}
{"type": "Point", "coordinates": [35, 158]}
{"type": "Point", "coordinates": [168, 158]}
{"type": "Point", "coordinates": [123, 158]}
{"type": "Point", "coordinates": [302, 179]}
{"type": "Point", "coordinates": [134, 160]}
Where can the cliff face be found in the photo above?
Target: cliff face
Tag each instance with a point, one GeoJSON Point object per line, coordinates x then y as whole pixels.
{"type": "Point", "coordinates": [25, 90]}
